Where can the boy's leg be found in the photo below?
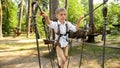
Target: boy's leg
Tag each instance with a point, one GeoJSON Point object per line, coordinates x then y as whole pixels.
{"type": "Point", "coordinates": [66, 51]}
{"type": "Point", "coordinates": [60, 56]}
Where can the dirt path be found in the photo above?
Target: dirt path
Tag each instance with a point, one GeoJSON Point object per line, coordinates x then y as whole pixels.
{"type": "Point", "coordinates": [26, 57]}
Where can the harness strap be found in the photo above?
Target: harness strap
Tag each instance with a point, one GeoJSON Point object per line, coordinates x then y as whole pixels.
{"type": "Point", "coordinates": [67, 29]}
{"type": "Point", "coordinates": [63, 34]}
{"type": "Point", "coordinates": [58, 33]}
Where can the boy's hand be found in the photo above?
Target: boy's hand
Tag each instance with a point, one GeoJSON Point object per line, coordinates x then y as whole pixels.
{"type": "Point", "coordinates": [43, 14]}
{"type": "Point", "coordinates": [81, 17]}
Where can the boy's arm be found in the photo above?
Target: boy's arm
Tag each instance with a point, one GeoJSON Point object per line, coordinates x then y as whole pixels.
{"type": "Point", "coordinates": [46, 17]}
{"type": "Point", "coordinates": [78, 23]}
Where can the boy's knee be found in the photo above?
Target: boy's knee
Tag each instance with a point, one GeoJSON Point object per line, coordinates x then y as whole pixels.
{"type": "Point", "coordinates": [63, 61]}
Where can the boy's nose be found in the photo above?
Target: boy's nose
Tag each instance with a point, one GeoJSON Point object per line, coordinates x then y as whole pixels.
{"type": "Point", "coordinates": [63, 15]}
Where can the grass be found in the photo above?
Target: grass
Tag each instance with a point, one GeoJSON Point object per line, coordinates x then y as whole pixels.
{"type": "Point", "coordinates": [92, 55]}
{"type": "Point", "coordinates": [93, 50]}
{"type": "Point", "coordinates": [22, 46]}
{"type": "Point", "coordinates": [117, 36]}
{"type": "Point", "coordinates": [90, 50]}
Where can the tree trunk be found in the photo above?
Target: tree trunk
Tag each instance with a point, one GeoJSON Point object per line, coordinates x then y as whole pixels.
{"type": "Point", "coordinates": [1, 20]}
{"type": "Point", "coordinates": [91, 23]}
{"type": "Point", "coordinates": [20, 16]}
{"type": "Point", "coordinates": [66, 7]}
{"type": "Point", "coordinates": [6, 5]}
{"type": "Point", "coordinates": [28, 18]}
{"type": "Point", "coordinates": [53, 6]}
{"type": "Point", "coordinates": [66, 4]}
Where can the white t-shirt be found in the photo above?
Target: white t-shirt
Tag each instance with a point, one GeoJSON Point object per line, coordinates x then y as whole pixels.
{"type": "Point", "coordinates": [54, 25]}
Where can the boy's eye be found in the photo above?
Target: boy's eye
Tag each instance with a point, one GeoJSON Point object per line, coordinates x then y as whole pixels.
{"type": "Point", "coordinates": [65, 14]}
{"type": "Point", "coordinates": [62, 14]}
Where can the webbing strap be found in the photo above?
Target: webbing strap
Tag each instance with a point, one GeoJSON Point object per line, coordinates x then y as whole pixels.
{"type": "Point", "coordinates": [58, 32]}
{"type": "Point", "coordinates": [66, 28]}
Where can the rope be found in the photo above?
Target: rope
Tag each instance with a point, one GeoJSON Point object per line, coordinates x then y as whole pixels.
{"type": "Point", "coordinates": [36, 31]}
{"type": "Point", "coordinates": [47, 36]}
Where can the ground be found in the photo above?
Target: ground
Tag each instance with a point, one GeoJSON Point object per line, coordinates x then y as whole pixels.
{"type": "Point", "coordinates": [22, 53]}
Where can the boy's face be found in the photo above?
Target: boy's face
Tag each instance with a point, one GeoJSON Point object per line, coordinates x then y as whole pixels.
{"type": "Point", "coordinates": [61, 16]}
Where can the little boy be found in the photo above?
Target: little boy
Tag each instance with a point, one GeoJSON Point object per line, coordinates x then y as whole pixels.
{"type": "Point", "coordinates": [61, 28]}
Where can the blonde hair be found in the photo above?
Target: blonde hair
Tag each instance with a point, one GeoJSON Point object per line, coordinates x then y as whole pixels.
{"type": "Point", "coordinates": [60, 10]}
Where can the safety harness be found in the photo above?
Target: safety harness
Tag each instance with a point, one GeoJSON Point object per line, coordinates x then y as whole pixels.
{"type": "Point", "coordinates": [60, 35]}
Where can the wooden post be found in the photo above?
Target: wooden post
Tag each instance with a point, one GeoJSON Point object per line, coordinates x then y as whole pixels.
{"type": "Point", "coordinates": [53, 6]}
{"type": "Point", "coordinates": [66, 4]}
{"type": "Point", "coordinates": [20, 16]}
{"type": "Point", "coordinates": [1, 20]}
{"type": "Point", "coordinates": [28, 18]}
{"type": "Point", "coordinates": [91, 23]}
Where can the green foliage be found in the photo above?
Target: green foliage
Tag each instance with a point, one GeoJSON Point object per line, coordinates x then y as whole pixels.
{"type": "Point", "coordinates": [113, 16]}
{"type": "Point", "coordinates": [9, 17]}
{"type": "Point", "coordinates": [98, 18]}
{"type": "Point", "coordinates": [84, 4]}
{"type": "Point", "coordinates": [115, 32]}
{"type": "Point", "coordinates": [40, 26]}
{"type": "Point", "coordinates": [44, 4]}
{"type": "Point", "coordinates": [75, 10]}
